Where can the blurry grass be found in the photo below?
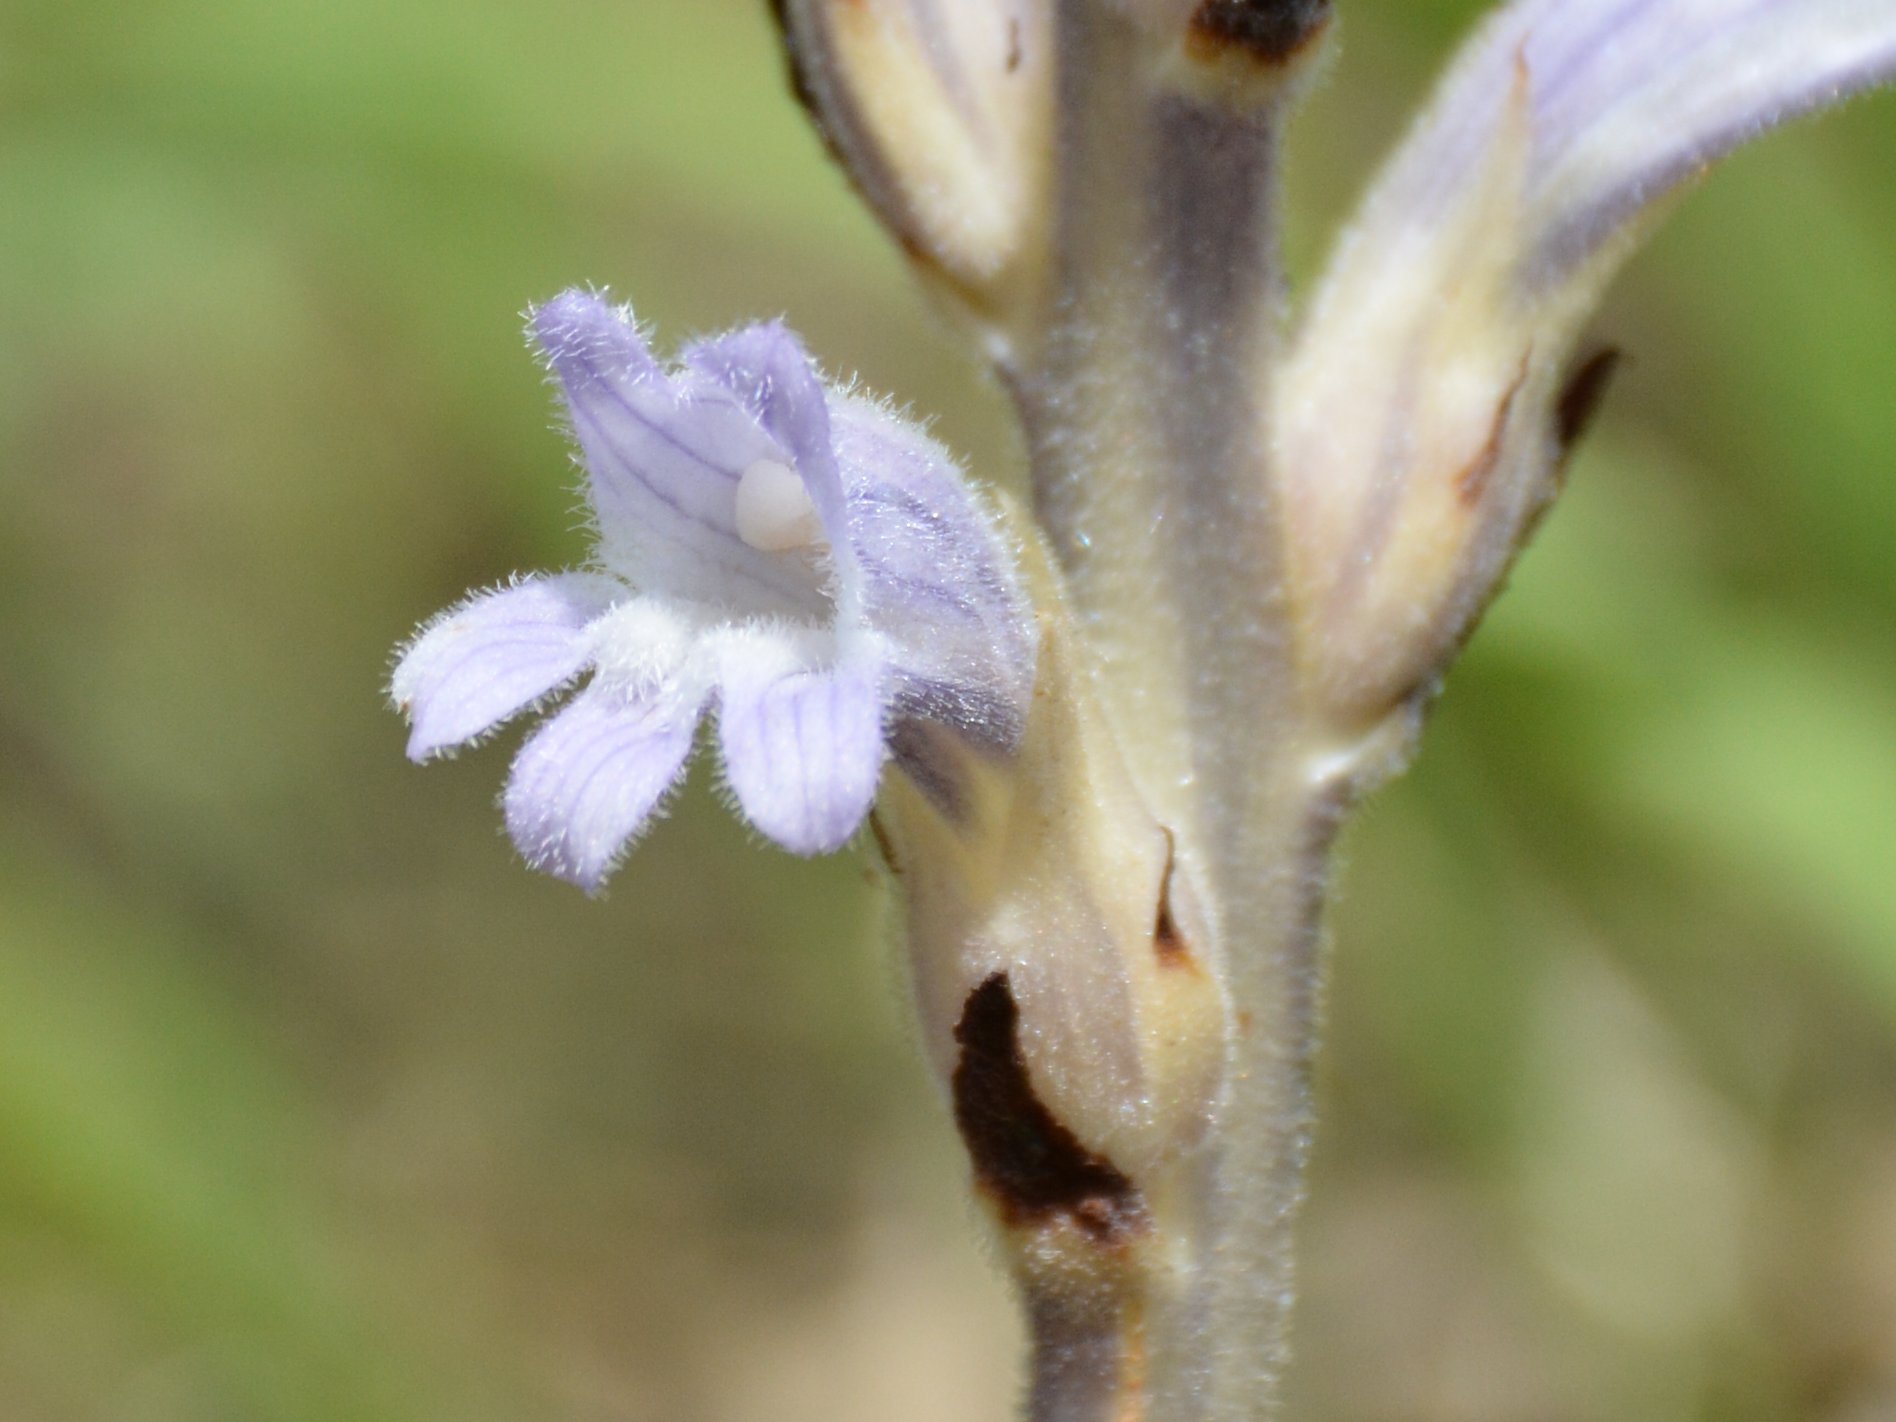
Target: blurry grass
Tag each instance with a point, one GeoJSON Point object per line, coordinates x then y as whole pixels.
{"type": "Point", "coordinates": [314, 1105]}
{"type": "Point", "coordinates": [157, 1156]}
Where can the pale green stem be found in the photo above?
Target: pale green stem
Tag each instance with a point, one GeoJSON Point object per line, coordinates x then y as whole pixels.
{"type": "Point", "coordinates": [1142, 409]}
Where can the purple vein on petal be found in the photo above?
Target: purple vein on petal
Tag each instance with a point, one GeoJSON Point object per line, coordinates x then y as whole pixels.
{"type": "Point", "coordinates": [608, 387]}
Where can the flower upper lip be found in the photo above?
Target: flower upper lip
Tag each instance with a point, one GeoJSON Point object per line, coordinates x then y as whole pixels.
{"type": "Point", "coordinates": [664, 454]}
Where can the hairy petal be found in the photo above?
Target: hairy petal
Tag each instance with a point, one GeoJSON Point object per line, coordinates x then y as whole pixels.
{"type": "Point", "coordinates": [762, 537]}
{"type": "Point", "coordinates": [664, 457]}
{"type": "Point", "coordinates": [1416, 419]}
{"type": "Point", "coordinates": [488, 657]}
{"type": "Point", "coordinates": [802, 741]}
{"type": "Point", "coordinates": [591, 778]}
{"type": "Point", "coordinates": [939, 581]}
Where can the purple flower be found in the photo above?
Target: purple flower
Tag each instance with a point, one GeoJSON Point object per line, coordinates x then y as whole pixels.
{"type": "Point", "coordinates": [799, 555]}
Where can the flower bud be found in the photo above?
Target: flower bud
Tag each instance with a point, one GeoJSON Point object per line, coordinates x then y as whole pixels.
{"type": "Point", "coordinates": [1412, 439]}
{"type": "Point", "coordinates": [943, 116]}
{"type": "Point", "coordinates": [1421, 419]}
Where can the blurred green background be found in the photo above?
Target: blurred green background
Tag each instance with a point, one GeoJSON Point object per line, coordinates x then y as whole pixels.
{"type": "Point", "coordinates": [315, 1105]}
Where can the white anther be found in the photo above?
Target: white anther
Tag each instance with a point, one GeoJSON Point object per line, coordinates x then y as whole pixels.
{"type": "Point", "coordinates": [774, 511]}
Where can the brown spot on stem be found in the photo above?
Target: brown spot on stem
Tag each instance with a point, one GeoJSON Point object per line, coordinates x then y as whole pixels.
{"type": "Point", "coordinates": [1581, 396]}
{"type": "Point", "coordinates": [1473, 481]}
{"type": "Point", "coordinates": [1014, 51]}
{"type": "Point", "coordinates": [1034, 1168]}
{"type": "Point", "coordinates": [1269, 32]}
{"type": "Point", "coordinates": [1167, 942]}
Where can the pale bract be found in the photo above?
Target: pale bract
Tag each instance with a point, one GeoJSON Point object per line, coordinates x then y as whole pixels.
{"type": "Point", "coordinates": [942, 112]}
{"type": "Point", "coordinates": [801, 557]}
{"type": "Point", "coordinates": [1418, 417]}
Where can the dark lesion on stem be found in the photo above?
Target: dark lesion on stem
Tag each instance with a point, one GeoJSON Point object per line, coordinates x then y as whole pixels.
{"type": "Point", "coordinates": [1033, 1168]}
{"type": "Point", "coordinates": [1168, 943]}
{"type": "Point", "coordinates": [1270, 32]}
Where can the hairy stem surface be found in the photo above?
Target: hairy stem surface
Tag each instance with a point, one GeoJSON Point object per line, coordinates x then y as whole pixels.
{"type": "Point", "coordinates": [1141, 399]}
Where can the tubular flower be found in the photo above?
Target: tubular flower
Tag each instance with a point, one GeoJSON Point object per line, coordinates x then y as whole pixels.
{"type": "Point", "coordinates": [798, 555]}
